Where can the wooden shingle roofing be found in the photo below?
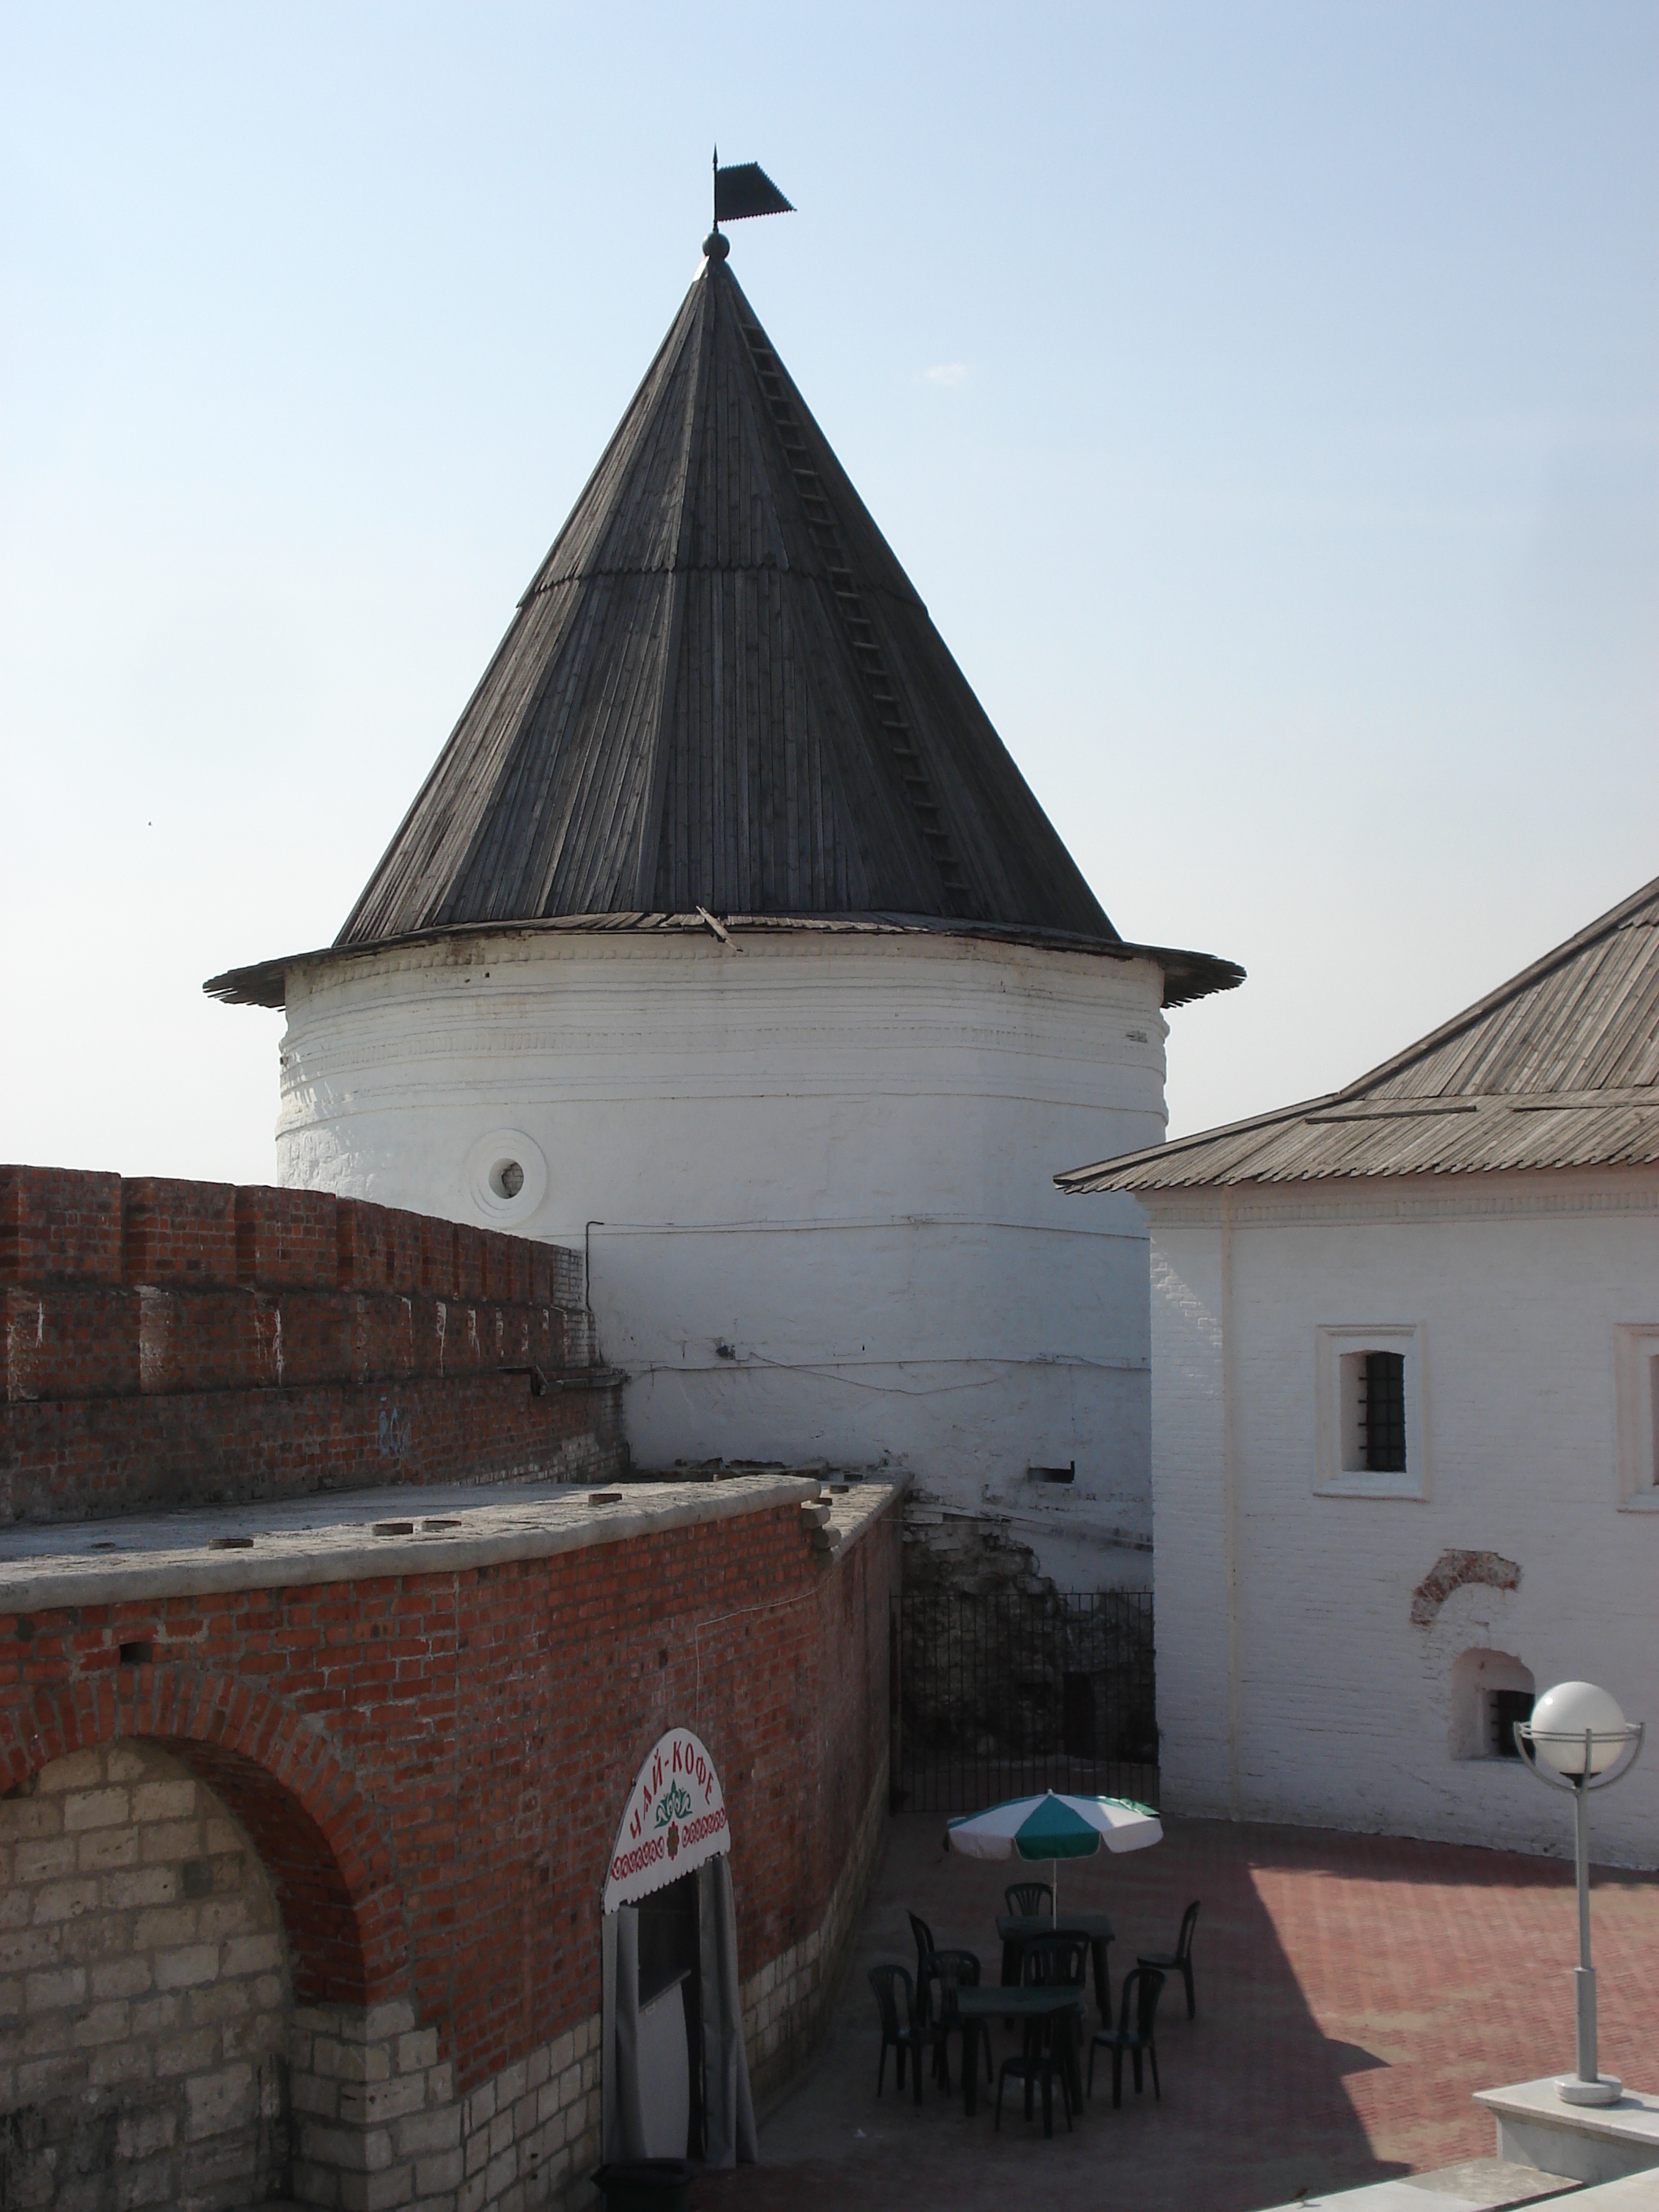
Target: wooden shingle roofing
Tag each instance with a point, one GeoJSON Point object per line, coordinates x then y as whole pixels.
{"type": "Point", "coordinates": [1559, 1068]}
{"type": "Point", "coordinates": [721, 691]}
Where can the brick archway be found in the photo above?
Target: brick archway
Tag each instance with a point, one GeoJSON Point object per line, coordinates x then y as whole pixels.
{"type": "Point", "coordinates": [320, 1844]}
{"type": "Point", "coordinates": [1454, 1570]}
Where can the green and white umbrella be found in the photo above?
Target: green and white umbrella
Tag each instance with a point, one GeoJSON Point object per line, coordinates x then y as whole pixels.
{"type": "Point", "coordinates": [1054, 1827]}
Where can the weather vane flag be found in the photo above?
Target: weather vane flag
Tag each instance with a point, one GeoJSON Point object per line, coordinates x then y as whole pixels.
{"type": "Point", "coordinates": [745, 190]}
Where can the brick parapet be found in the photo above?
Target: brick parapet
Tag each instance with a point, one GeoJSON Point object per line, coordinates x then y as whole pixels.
{"type": "Point", "coordinates": [83, 1459]}
{"type": "Point", "coordinates": [344, 1343]}
{"type": "Point", "coordinates": [66, 1226]}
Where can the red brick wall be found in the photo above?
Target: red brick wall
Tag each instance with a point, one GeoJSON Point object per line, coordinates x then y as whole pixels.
{"type": "Point", "coordinates": [433, 1766]}
{"type": "Point", "coordinates": [178, 1343]}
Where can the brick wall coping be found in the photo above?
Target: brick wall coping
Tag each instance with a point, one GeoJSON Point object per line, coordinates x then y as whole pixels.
{"type": "Point", "coordinates": [436, 1529]}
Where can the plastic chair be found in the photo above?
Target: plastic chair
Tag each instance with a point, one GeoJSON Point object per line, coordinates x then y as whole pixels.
{"type": "Point", "coordinates": [1142, 1987]}
{"type": "Point", "coordinates": [1042, 2060]}
{"type": "Point", "coordinates": [953, 1971]}
{"type": "Point", "coordinates": [1180, 1961]}
{"type": "Point", "coordinates": [1054, 1959]}
{"type": "Point", "coordinates": [900, 2036]}
{"type": "Point", "coordinates": [1030, 1900]}
{"type": "Point", "coordinates": [924, 1941]}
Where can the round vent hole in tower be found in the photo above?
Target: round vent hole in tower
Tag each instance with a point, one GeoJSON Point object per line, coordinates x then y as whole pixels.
{"type": "Point", "coordinates": [505, 1177]}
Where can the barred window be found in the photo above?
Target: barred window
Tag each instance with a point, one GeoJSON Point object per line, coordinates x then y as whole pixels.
{"type": "Point", "coordinates": [1380, 1378]}
{"type": "Point", "coordinates": [1504, 1709]}
{"type": "Point", "coordinates": [1368, 1424]}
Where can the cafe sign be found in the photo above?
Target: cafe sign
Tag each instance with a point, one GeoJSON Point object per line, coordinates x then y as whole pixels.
{"type": "Point", "coordinates": [675, 1820]}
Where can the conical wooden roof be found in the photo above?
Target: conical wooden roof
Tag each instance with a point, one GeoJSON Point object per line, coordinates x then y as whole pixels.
{"type": "Point", "coordinates": [722, 690]}
{"type": "Point", "coordinates": [721, 694]}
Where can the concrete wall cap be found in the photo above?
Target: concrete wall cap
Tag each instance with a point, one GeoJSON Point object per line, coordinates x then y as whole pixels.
{"type": "Point", "coordinates": [332, 1539]}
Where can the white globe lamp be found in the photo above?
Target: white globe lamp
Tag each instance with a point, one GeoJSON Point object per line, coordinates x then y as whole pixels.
{"type": "Point", "coordinates": [1578, 1738]}
{"type": "Point", "coordinates": [1575, 1721]}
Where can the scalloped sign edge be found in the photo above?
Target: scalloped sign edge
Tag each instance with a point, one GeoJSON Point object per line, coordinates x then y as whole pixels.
{"type": "Point", "coordinates": [675, 1820]}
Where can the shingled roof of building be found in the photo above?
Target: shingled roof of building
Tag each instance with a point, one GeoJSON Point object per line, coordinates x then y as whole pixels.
{"type": "Point", "coordinates": [1559, 1068]}
{"type": "Point", "coordinates": [722, 692]}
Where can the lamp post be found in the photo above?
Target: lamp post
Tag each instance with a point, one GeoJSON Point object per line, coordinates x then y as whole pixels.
{"type": "Point", "coordinates": [1578, 1739]}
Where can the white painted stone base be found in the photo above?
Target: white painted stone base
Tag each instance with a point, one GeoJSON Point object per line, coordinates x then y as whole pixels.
{"type": "Point", "coordinates": [1605, 2089]}
{"type": "Point", "coordinates": [1590, 2143]}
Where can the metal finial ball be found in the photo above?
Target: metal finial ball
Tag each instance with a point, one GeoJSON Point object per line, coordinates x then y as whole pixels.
{"type": "Point", "coordinates": [716, 247]}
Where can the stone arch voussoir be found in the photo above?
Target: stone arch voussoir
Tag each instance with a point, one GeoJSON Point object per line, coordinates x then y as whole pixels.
{"type": "Point", "coordinates": [1451, 1571]}
{"type": "Point", "coordinates": [318, 1837]}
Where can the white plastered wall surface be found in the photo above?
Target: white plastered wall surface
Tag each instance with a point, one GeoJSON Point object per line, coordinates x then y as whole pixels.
{"type": "Point", "coordinates": [812, 1172]}
{"type": "Point", "coordinates": [1305, 1672]}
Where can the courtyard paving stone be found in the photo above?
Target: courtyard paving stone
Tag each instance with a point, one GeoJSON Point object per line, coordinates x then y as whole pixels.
{"type": "Point", "coordinates": [1353, 1991]}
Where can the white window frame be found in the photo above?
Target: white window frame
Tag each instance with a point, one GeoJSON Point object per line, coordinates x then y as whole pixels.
{"type": "Point", "coordinates": [1332, 1342]}
{"type": "Point", "coordinates": [1636, 1389]}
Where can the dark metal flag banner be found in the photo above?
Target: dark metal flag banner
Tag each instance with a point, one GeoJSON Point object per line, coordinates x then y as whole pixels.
{"type": "Point", "coordinates": [745, 190]}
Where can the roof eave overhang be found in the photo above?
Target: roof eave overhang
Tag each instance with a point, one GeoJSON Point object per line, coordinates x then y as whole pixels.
{"type": "Point", "coordinates": [1152, 1168]}
{"type": "Point", "coordinates": [1187, 976]}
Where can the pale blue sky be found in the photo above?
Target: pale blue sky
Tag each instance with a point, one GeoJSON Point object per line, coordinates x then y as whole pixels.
{"type": "Point", "coordinates": [1262, 397]}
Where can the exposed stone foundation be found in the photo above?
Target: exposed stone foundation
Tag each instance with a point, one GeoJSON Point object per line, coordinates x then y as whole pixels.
{"type": "Point", "coordinates": [143, 1993]}
{"type": "Point", "coordinates": [379, 2125]}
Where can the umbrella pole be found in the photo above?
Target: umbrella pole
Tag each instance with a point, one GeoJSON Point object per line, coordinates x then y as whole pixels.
{"type": "Point", "coordinates": [1054, 1891]}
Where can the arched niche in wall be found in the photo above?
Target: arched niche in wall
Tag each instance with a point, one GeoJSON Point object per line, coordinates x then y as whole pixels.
{"type": "Point", "coordinates": [152, 2040]}
{"type": "Point", "coordinates": [1490, 1692]}
{"type": "Point", "coordinates": [674, 2077]}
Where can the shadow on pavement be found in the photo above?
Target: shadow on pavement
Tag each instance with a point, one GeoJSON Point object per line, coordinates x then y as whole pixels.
{"type": "Point", "coordinates": [1255, 2106]}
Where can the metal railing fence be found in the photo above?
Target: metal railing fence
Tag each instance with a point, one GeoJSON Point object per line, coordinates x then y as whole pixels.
{"type": "Point", "coordinates": [1005, 1695]}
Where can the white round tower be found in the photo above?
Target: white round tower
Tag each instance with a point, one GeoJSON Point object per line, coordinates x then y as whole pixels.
{"type": "Point", "coordinates": [725, 940]}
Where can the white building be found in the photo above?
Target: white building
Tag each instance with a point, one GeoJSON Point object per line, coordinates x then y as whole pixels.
{"type": "Point", "coordinates": [1406, 1398]}
{"type": "Point", "coordinates": [726, 939]}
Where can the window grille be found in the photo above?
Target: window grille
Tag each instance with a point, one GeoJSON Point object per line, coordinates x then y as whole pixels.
{"type": "Point", "coordinates": [1383, 1412]}
{"type": "Point", "coordinates": [1504, 1709]}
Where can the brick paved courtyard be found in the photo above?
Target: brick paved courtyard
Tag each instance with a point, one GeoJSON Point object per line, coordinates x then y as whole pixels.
{"type": "Point", "coordinates": [1353, 1991]}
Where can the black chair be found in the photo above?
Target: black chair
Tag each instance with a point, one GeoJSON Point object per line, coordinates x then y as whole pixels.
{"type": "Point", "coordinates": [899, 2035]}
{"type": "Point", "coordinates": [1142, 1987]}
{"type": "Point", "coordinates": [923, 1935]}
{"type": "Point", "coordinates": [1180, 1961]}
{"type": "Point", "coordinates": [1045, 2053]}
{"type": "Point", "coordinates": [1030, 1900]}
{"type": "Point", "coordinates": [953, 1971]}
{"type": "Point", "coordinates": [1050, 1959]}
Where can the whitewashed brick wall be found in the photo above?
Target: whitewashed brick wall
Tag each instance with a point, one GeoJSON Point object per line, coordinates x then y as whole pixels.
{"type": "Point", "coordinates": [1343, 1705]}
{"type": "Point", "coordinates": [143, 1992]}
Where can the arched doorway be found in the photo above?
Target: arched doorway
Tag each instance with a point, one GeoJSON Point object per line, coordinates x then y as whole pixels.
{"type": "Point", "coordinates": [675, 2078]}
{"type": "Point", "coordinates": [101, 1783]}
